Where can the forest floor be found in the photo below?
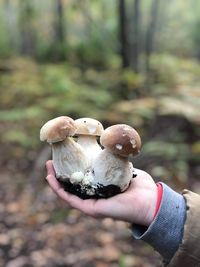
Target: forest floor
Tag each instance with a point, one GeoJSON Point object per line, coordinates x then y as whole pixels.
{"type": "Point", "coordinates": [38, 230]}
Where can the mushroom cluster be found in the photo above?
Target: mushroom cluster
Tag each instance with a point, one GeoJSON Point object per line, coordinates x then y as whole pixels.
{"type": "Point", "coordinates": [82, 166]}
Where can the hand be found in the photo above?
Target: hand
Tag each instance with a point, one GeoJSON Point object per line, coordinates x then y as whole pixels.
{"type": "Point", "coordinates": [136, 205]}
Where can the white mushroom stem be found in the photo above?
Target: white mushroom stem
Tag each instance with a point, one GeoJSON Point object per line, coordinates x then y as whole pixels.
{"type": "Point", "coordinates": [110, 169]}
{"type": "Point", "coordinates": [89, 145]}
{"type": "Point", "coordinates": [69, 160]}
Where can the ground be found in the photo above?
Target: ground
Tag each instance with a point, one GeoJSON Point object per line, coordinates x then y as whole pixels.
{"type": "Point", "coordinates": [39, 230]}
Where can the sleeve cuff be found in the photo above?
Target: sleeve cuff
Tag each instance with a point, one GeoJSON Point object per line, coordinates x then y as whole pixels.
{"type": "Point", "coordinates": [166, 231]}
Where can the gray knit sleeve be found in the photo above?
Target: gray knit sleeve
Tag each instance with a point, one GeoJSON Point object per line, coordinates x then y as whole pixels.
{"type": "Point", "coordinates": [166, 231]}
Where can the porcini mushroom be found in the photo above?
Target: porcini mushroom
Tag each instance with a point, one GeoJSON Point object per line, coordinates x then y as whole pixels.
{"type": "Point", "coordinates": [122, 140]}
{"type": "Point", "coordinates": [112, 168]}
{"type": "Point", "coordinates": [69, 159]}
{"type": "Point", "coordinates": [87, 131]}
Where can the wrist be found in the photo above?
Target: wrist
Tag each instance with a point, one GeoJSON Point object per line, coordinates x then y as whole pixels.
{"type": "Point", "coordinates": [144, 198]}
{"type": "Point", "coordinates": [151, 203]}
{"type": "Point", "coordinates": [144, 205]}
{"type": "Point", "coordinates": [166, 231]}
{"type": "Point", "coordinates": [159, 198]}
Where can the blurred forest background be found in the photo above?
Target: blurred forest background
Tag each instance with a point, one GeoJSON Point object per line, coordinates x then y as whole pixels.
{"type": "Point", "coordinates": [119, 61]}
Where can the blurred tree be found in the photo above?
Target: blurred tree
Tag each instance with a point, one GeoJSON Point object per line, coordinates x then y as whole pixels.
{"type": "Point", "coordinates": [195, 35]}
{"type": "Point", "coordinates": [151, 29]}
{"type": "Point", "coordinates": [27, 30]}
{"type": "Point", "coordinates": [130, 35]}
{"type": "Point", "coordinates": [123, 34]}
{"type": "Point", "coordinates": [135, 42]}
{"type": "Point", "coordinates": [59, 27]}
{"type": "Point", "coordinates": [85, 6]}
{"type": "Point", "coordinates": [59, 32]}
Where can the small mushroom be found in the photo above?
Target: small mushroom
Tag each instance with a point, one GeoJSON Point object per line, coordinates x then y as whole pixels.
{"type": "Point", "coordinates": [69, 158]}
{"type": "Point", "coordinates": [87, 132]}
{"type": "Point", "coordinates": [111, 166]}
{"type": "Point", "coordinates": [122, 140]}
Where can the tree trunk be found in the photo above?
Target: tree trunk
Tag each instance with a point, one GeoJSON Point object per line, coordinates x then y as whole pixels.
{"type": "Point", "coordinates": [123, 35]}
{"type": "Point", "coordinates": [28, 38]}
{"type": "Point", "coordinates": [149, 46]}
{"type": "Point", "coordinates": [85, 7]}
{"type": "Point", "coordinates": [59, 31]}
{"type": "Point", "coordinates": [135, 43]}
{"type": "Point", "coordinates": [59, 26]}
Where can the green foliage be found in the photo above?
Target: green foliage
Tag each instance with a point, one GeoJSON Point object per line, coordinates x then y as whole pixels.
{"type": "Point", "coordinates": [164, 69]}
{"type": "Point", "coordinates": [14, 136]}
{"type": "Point", "coordinates": [166, 150]}
{"type": "Point", "coordinates": [58, 216]}
{"type": "Point", "coordinates": [195, 36]}
{"type": "Point", "coordinates": [132, 80]}
{"type": "Point", "coordinates": [122, 261]}
{"type": "Point", "coordinates": [20, 114]}
{"type": "Point", "coordinates": [5, 49]}
{"type": "Point", "coordinates": [35, 93]}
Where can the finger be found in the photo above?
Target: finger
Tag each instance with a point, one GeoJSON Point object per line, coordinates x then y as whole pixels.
{"type": "Point", "coordinates": [50, 168]}
{"type": "Point", "coordinates": [53, 182]}
{"type": "Point", "coordinates": [76, 202]}
{"type": "Point", "coordinates": [85, 206]}
{"type": "Point", "coordinates": [72, 200]}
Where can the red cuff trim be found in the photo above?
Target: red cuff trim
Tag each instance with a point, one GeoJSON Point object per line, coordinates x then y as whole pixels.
{"type": "Point", "coordinates": [159, 198]}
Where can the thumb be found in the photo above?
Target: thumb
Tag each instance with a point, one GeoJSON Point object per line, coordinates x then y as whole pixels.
{"type": "Point", "coordinates": [50, 168]}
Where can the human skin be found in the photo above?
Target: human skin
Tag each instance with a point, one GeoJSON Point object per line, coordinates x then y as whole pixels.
{"type": "Point", "coordinates": [136, 205]}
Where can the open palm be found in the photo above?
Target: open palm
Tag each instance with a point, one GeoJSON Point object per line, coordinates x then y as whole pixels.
{"type": "Point", "coordinates": [135, 205]}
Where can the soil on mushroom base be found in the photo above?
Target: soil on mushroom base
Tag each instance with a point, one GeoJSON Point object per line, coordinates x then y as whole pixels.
{"type": "Point", "coordinates": [100, 192]}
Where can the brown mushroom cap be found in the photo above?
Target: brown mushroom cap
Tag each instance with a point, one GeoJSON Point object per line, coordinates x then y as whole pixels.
{"type": "Point", "coordinates": [88, 126]}
{"type": "Point", "coordinates": [57, 129]}
{"type": "Point", "coordinates": [121, 139]}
